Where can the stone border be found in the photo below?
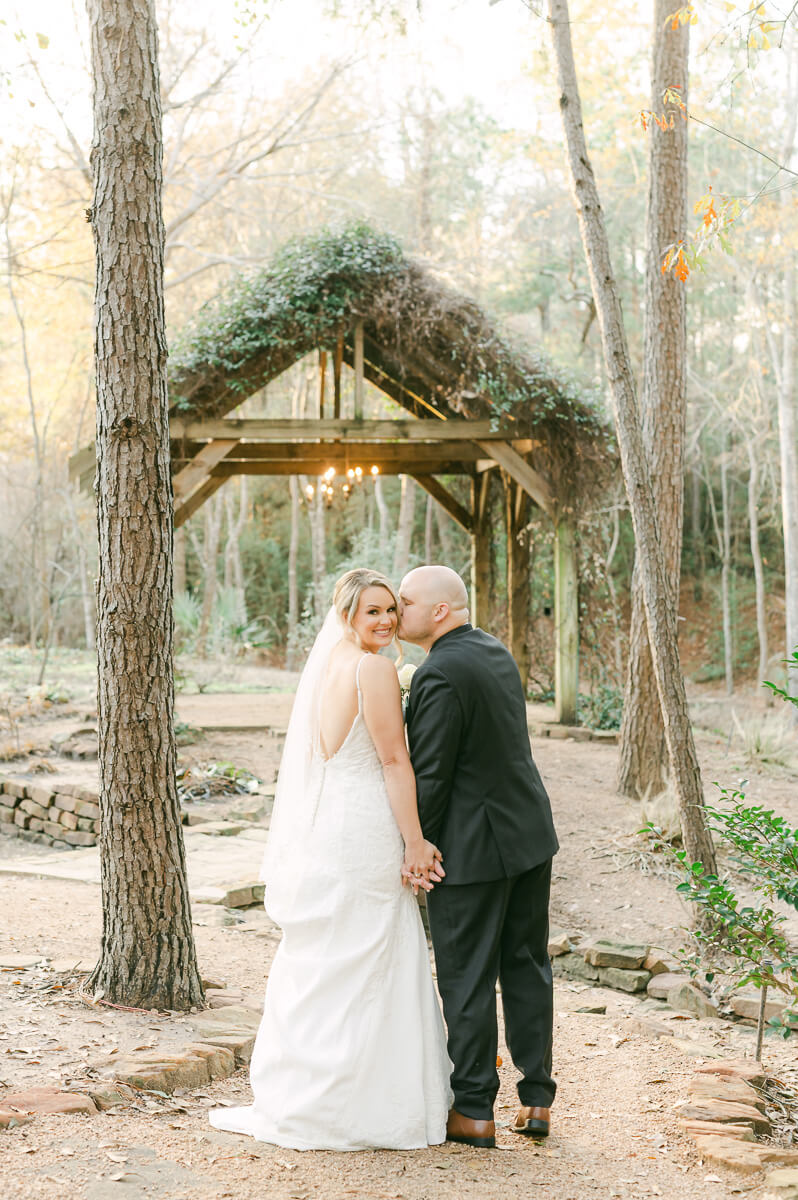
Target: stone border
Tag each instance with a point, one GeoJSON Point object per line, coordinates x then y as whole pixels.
{"type": "Point", "coordinates": [66, 816]}
{"type": "Point", "coordinates": [579, 733]}
{"type": "Point", "coordinates": [725, 1115]}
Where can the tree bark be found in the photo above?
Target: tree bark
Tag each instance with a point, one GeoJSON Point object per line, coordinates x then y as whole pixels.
{"type": "Point", "coordinates": [659, 604]}
{"type": "Point", "coordinates": [642, 765]}
{"type": "Point", "coordinates": [147, 958]}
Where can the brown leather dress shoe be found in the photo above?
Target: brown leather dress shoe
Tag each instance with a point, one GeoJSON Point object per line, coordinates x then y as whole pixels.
{"type": "Point", "coordinates": [534, 1122]}
{"type": "Point", "coordinates": [469, 1131]}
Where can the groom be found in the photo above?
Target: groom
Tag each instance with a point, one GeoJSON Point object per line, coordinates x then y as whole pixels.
{"type": "Point", "coordinates": [482, 802]}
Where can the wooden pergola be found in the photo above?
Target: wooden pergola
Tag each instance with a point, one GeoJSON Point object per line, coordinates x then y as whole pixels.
{"type": "Point", "coordinates": [449, 430]}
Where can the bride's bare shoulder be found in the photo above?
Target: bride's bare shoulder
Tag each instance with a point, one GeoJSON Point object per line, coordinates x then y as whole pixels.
{"type": "Point", "coordinates": [378, 672]}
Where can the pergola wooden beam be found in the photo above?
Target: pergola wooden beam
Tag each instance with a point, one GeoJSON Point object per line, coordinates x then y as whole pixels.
{"type": "Point", "coordinates": [196, 500]}
{"type": "Point", "coordinates": [415, 429]}
{"type": "Point", "coordinates": [341, 454]}
{"type": "Point", "coordinates": [446, 500]}
{"type": "Point", "coordinates": [317, 466]}
{"type": "Point", "coordinates": [201, 465]}
{"type": "Point", "coordinates": [519, 470]}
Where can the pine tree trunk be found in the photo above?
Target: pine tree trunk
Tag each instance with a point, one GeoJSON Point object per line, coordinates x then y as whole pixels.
{"type": "Point", "coordinates": [659, 605]}
{"type": "Point", "coordinates": [147, 958]}
{"type": "Point", "coordinates": [643, 753]}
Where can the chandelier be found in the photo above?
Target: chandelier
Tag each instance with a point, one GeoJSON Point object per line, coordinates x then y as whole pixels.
{"type": "Point", "coordinates": [326, 486]}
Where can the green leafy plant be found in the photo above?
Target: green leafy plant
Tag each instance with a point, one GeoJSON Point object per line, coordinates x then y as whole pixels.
{"type": "Point", "coordinates": [602, 709]}
{"type": "Point", "coordinates": [748, 939]}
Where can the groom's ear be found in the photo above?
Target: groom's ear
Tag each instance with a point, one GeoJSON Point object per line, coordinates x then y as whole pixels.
{"type": "Point", "coordinates": [441, 611]}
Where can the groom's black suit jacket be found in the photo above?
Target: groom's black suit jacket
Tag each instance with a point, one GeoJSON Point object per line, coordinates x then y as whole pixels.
{"type": "Point", "coordinates": [480, 796]}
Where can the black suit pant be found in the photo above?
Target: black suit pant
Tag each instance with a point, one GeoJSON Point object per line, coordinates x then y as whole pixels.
{"type": "Point", "coordinates": [482, 932]}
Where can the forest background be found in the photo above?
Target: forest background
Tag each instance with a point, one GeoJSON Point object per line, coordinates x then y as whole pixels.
{"type": "Point", "coordinates": [437, 123]}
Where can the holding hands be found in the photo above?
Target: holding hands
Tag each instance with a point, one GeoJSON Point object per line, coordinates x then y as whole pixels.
{"type": "Point", "coordinates": [422, 867]}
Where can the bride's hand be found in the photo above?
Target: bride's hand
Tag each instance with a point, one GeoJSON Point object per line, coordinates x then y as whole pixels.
{"type": "Point", "coordinates": [423, 862]}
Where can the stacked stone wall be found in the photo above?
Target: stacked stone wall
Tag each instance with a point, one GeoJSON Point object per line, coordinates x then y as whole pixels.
{"type": "Point", "coordinates": [63, 815]}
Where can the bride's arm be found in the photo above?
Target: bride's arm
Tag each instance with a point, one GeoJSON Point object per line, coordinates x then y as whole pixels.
{"type": "Point", "coordinates": [382, 712]}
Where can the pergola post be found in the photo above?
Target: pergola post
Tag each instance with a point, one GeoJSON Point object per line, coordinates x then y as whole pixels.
{"type": "Point", "coordinates": [566, 622]}
{"type": "Point", "coordinates": [516, 504]}
{"type": "Point", "coordinates": [480, 550]}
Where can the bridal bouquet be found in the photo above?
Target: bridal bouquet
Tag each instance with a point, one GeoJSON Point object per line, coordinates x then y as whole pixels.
{"type": "Point", "coordinates": [406, 674]}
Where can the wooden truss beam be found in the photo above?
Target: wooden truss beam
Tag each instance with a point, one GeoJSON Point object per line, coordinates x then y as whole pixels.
{"type": "Point", "coordinates": [200, 467]}
{"type": "Point", "coordinates": [446, 500]}
{"type": "Point", "coordinates": [196, 499]}
{"type": "Point", "coordinates": [519, 469]}
{"type": "Point", "coordinates": [305, 429]}
{"type": "Point", "coordinates": [317, 466]}
{"type": "Point", "coordinates": [341, 454]}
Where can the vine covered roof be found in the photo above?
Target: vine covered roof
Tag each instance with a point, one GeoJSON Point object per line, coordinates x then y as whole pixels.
{"type": "Point", "coordinates": [433, 350]}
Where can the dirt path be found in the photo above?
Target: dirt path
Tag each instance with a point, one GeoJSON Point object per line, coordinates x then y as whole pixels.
{"type": "Point", "coordinates": [615, 1133]}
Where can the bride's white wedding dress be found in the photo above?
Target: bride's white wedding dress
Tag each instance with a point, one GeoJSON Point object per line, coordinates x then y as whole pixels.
{"type": "Point", "coordinates": [351, 1051]}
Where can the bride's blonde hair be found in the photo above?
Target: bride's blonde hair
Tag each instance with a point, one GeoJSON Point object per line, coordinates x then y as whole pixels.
{"type": "Point", "coordinates": [348, 590]}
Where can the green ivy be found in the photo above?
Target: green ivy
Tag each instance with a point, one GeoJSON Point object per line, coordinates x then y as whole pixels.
{"type": "Point", "coordinates": [302, 299]}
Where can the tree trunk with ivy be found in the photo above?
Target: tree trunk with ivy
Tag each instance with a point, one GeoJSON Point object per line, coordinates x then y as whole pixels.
{"type": "Point", "coordinates": [659, 606]}
{"type": "Point", "coordinates": [643, 762]}
{"type": "Point", "coordinates": [147, 958]}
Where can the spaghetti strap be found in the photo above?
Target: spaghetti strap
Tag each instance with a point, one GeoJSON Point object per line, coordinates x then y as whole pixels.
{"type": "Point", "coordinates": [357, 684]}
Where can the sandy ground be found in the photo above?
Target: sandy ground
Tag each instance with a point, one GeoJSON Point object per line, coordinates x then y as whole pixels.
{"type": "Point", "coordinates": [614, 1133]}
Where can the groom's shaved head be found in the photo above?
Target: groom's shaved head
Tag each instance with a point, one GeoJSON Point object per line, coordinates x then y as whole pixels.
{"type": "Point", "coordinates": [432, 601]}
{"type": "Point", "coordinates": [438, 585]}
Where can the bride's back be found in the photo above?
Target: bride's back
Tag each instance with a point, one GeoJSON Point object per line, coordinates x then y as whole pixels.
{"type": "Point", "coordinates": [339, 702]}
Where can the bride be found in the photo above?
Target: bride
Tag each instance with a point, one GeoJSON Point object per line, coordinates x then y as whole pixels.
{"type": "Point", "coordinates": [351, 1050]}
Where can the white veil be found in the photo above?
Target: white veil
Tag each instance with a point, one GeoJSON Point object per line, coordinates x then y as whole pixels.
{"type": "Point", "coordinates": [301, 767]}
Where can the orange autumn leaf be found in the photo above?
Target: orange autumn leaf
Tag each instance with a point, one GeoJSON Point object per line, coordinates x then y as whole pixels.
{"type": "Point", "coordinates": [681, 270]}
